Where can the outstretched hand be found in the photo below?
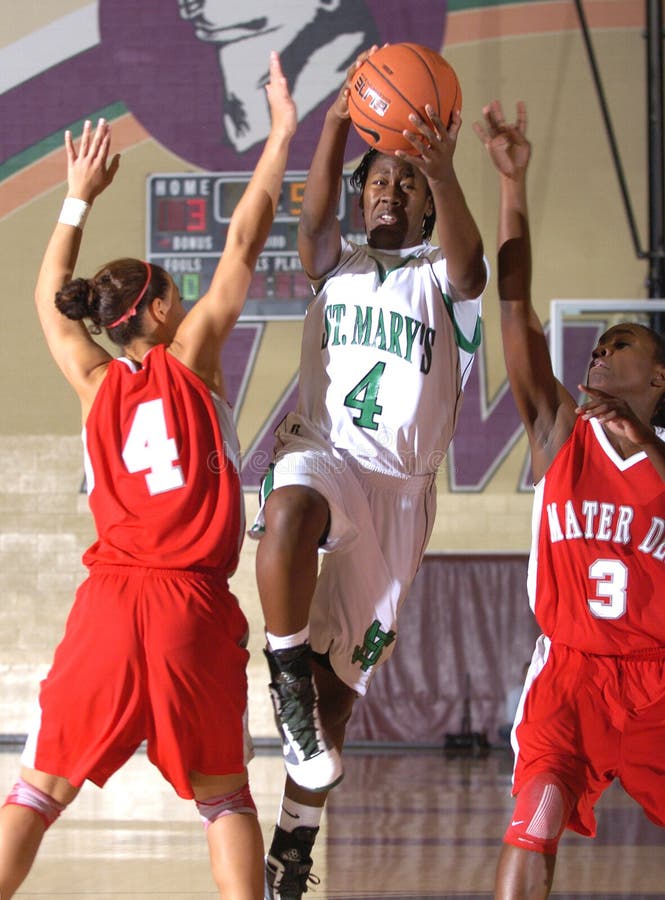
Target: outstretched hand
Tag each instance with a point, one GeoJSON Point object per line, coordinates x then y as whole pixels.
{"type": "Point", "coordinates": [615, 414]}
{"type": "Point", "coordinates": [282, 108]}
{"type": "Point", "coordinates": [88, 170]}
{"type": "Point", "coordinates": [505, 142]}
{"type": "Point", "coordinates": [433, 143]}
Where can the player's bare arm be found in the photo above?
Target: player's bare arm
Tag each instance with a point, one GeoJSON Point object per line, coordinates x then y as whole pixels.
{"type": "Point", "coordinates": [546, 408]}
{"type": "Point", "coordinates": [89, 172]}
{"type": "Point", "coordinates": [318, 230]}
{"type": "Point", "coordinates": [433, 150]}
{"type": "Point", "coordinates": [203, 331]}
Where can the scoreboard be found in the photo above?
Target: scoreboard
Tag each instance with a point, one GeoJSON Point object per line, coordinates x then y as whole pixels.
{"type": "Point", "coordinates": [187, 220]}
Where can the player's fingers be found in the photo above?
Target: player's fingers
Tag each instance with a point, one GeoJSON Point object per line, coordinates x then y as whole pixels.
{"type": "Point", "coordinates": [425, 131]}
{"type": "Point", "coordinates": [455, 124]}
{"type": "Point", "coordinates": [85, 137]}
{"type": "Point", "coordinates": [419, 141]}
{"type": "Point", "coordinates": [408, 156]}
{"type": "Point", "coordinates": [104, 147]}
{"type": "Point", "coordinates": [100, 138]}
{"type": "Point", "coordinates": [69, 147]}
{"type": "Point", "coordinates": [436, 120]}
{"type": "Point", "coordinates": [494, 115]}
{"type": "Point", "coordinates": [481, 131]}
{"type": "Point", "coordinates": [275, 66]}
{"type": "Point", "coordinates": [521, 117]}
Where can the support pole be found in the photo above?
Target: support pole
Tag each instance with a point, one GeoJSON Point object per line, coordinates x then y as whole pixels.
{"type": "Point", "coordinates": [656, 155]}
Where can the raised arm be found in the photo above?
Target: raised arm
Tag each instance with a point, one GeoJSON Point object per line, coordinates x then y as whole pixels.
{"type": "Point", "coordinates": [457, 231]}
{"type": "Point", "coordinates": [200, 336]}
{"type": "Point", "coordinates": [546, 408]}
{"type": "Point", "coordinates": [319, 237]}
{"type": "Point", "coordinates": [80, 358]}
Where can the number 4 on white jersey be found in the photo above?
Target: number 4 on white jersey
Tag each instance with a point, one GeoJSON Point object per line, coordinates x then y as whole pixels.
{"type": "Point", "coordinates": [148, 446]}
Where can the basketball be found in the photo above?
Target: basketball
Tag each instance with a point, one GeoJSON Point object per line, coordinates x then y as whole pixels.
{"type": "Point", "coordinates": [394, 82]}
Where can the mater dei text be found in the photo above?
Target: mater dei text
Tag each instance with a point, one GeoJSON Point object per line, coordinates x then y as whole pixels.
{"type": "Point", "coordinates": [604, 522]}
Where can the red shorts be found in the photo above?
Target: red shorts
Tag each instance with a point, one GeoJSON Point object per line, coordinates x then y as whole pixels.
{"type": "Point", "coordinates": [591, 719]}
{"type": "Point", "coordinates": [148, 654]}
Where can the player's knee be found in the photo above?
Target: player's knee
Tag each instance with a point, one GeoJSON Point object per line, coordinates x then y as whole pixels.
{"type": "Point", "coordinates": [297, 513]}
{"type": "Point", "coordinates": [25, 794]}
{"type": "Point", "coordinates": [542, 810]}
{"type": "Point", "coordinates": [214, 808]}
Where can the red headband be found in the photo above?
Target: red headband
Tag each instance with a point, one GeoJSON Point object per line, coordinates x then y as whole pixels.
{"type": "Point", "coordinates": [132, 309]}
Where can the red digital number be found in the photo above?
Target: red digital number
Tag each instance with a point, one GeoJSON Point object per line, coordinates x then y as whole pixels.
{"type": "Point", "coordinates": [171, 215]}
{"type": "Point", "coordinates": [196, 214]}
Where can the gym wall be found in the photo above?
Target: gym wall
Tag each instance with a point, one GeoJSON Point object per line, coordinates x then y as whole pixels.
{"type": "Point", "coordinates": [143, 67]}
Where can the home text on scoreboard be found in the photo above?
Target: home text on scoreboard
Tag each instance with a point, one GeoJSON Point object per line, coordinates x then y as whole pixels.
{"type": "Point", "coordinates": [187, 222]}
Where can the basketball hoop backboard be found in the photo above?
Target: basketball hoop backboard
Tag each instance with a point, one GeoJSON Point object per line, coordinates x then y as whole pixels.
{"type": "Point", "coordinates": [560, 309]}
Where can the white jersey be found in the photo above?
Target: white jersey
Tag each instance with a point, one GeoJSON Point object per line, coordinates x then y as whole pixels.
{"type": "Point", "coordinates": [386, 352]}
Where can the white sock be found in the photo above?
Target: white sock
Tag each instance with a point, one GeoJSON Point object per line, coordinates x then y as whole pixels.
{"type": "Point", "coordinates": [294, 815]}
{"type": "Point", "coordinates": [287, 641]}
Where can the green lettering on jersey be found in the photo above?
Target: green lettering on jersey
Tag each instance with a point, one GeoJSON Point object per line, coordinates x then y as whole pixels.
{"type": "Point", "coordinates": [373, 645]}
{"type": "Point", "coordinates": [380, 336]}
{"type": "Point", "coordinates": [412, 328]}
{"type": "Point", "coordinates": [362, 328]}
{"type": "Point", "coordinates": [396, 326]}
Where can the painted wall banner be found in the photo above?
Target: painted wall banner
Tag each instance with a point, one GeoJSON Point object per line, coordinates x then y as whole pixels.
{"type": "Point", "coordinates": [193, 71]}
{"type": "Point", "coordinates": [187, 222]}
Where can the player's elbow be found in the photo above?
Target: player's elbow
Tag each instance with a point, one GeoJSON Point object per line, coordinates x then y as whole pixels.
{"type": "Point", "coordinates": [247, 240]}
{"type": "Point", "coordinates": [470, 281]}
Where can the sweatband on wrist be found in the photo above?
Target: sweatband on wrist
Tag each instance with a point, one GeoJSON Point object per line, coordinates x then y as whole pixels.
{"type": "Point", "coordinates": [74, 212]}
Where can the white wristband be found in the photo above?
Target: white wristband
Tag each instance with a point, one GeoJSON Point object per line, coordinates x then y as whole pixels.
{"type": "Point", "coordinates": [74, 212]}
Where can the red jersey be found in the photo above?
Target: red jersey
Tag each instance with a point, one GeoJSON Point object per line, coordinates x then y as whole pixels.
{"type": "Point", "coordinates": [597, 565]}
{"type": "Point", "coordinates": [162, 461]}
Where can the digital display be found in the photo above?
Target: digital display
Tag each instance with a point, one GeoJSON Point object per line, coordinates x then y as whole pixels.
{"type": "Point", "coordinates": [188, 215]}
{"type": "Point", "coordinates": [187, 221]}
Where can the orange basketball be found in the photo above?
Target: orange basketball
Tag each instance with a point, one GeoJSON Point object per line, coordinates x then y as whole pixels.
{"type": "Point", "coordinates": [395, 81]}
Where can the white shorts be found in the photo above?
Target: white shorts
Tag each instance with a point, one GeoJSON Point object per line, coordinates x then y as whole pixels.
{"type": "Point", "coordinates": [379, 529]}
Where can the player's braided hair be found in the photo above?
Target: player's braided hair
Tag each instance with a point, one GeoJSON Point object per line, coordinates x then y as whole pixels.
{"type": "Point", "coordinates": [359, 178]}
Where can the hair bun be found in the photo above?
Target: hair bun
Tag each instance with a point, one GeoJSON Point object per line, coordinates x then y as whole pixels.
{"type": "Point", "coordinates": [76, 299]}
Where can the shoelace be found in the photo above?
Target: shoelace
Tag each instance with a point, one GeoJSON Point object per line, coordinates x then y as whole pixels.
{"type": "Point", "coordinates": [296, 876]}
{"type": "Point", "coordinates": [314, 880]}
{"type": "Point", "coordinates": [297, 699]}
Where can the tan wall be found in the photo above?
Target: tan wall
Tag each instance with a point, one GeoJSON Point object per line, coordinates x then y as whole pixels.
{"type": "Point", "coordinates": [582, 248]}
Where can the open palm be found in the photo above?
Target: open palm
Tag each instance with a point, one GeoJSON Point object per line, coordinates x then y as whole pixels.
{"type": "Point", "coordinates": [505, 142]}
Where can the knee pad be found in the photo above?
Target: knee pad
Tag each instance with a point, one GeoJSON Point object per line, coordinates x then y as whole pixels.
{"type": "Point", "coordinates": [25, 794]}
{"type": "Point", "coordinates": [214, 808]}
{"type": "Point", "coordinates": [542, 810]}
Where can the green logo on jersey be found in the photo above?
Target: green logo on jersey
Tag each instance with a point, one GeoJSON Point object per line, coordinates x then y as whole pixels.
{"type": "Point", "coordinates": [373, 643]}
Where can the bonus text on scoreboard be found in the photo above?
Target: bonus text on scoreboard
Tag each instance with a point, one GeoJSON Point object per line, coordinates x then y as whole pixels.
{"type": "Point", "coordinates": [187, 222]}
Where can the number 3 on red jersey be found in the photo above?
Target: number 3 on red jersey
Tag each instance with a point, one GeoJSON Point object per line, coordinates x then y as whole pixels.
{"type": "Point", "coordinates": [148, 447]}
{"type": "Point", "coordinates": [611, 577]}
